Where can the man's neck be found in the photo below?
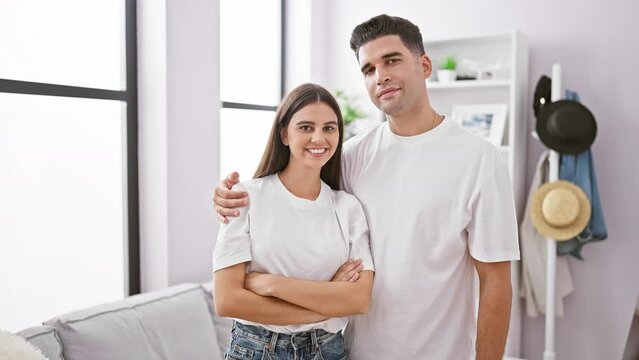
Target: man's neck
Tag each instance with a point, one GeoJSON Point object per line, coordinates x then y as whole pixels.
{"type": "Point", "coordinates": [416, 122]}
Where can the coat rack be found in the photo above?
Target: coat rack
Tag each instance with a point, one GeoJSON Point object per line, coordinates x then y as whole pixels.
{"type": "Point", "coordinates": [551, 244]}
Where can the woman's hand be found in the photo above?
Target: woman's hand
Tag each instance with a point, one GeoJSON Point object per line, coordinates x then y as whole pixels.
{"type": "Point", "coordinates": [349, 271]}
{"type": "Point", "coordinates": [259, 283]}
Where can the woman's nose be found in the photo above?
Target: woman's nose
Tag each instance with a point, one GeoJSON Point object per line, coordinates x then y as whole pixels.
{"type": "Point", "coordinates": [317, 137]}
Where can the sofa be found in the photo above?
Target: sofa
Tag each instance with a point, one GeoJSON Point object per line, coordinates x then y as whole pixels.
{"type": "Point", "coordinates": [176, 323]}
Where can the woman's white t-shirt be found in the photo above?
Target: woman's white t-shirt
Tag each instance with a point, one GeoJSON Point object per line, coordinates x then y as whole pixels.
{"type": "Point", "coordinates": [282, 234]}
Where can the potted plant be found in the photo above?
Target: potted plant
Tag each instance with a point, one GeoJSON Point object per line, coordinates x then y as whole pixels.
{"type": "Point", "coordinates": [447, 69]}
{"type": "Point", "coordinates": [350, 112]}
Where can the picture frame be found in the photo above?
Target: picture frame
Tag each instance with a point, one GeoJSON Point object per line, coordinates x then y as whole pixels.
{"type": "Point", "coordinates": [485, 120]}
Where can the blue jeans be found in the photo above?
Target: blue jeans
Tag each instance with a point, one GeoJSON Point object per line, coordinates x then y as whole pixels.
{"type": "Point", "coordinates": [256, 343]}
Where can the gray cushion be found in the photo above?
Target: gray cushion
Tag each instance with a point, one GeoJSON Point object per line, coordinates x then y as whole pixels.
{"type": "Point", "coordinates": [162, 325]}
{"type": "Point", "coordinates": [45, 339]}
{"type": "Point", "coordinates": [110, 331]}
{"type": "Point", "coordinates": [223, 325]}
{"type": "Point", "coordinates": [178, 322]}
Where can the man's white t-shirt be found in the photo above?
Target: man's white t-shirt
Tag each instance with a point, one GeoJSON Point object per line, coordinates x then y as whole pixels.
{"type": "Point", "coordinates": [282, 234]}
{"type": "Point", "coordinates": [432, 201]}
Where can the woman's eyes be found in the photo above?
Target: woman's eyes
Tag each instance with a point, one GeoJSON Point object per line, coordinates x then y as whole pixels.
{"type": "Point", "coordinates": [329, 128]}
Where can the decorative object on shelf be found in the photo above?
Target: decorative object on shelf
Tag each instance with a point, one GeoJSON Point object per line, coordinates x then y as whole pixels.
{"type": "Point", "coordinates": [350, 112]}
{"type": "Point", "coordinates": [491, 71]}
{"type": "Point", "coordinates": [560, 210]}
{"type": "Point", "coordinates": [467, 70]}
{"type": "Point", "coordinates": [471, 69]}
{"type": "Point", "coordinates": [486, 120]}
{"type": "Point", "coordinates": [447, 69]}
{"type": "Point", "coordinates": [15, 347]}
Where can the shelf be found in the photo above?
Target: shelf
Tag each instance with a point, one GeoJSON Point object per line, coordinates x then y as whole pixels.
{"type": "Point", "coordinates": [480, 39]}
{"type": "Point", "coordinates": [468, 84]}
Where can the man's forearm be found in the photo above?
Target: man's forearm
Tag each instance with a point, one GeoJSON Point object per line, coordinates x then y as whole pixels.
{"type": "Point", "coordinates": [493, 320]}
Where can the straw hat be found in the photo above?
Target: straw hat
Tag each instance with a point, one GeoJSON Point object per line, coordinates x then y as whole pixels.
{"type": "Point", "coordinates": [560, 210]}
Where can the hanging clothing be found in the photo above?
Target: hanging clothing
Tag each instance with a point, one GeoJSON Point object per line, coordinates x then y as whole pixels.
{"type": "Point", "coordinates": [580, 170]}
{"type": "Point", "coordinates": [533, 257]}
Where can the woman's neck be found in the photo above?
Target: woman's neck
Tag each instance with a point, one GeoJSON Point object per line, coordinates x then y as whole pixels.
{"type": "Point", "coordinates": [304, 183]}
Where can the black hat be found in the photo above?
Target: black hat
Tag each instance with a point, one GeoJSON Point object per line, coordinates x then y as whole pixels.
{"type": "Point", "coordinates": [566, 126]}
{"type": "Point", "coordinates": [542, 93]}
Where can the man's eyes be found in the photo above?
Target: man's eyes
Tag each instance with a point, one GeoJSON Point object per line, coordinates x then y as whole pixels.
{"type": "Point", "coordinates": [370, 70]}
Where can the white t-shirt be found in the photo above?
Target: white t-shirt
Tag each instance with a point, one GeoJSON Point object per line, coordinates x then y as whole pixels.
{"type": "Point", "coordinates": [432, 201]}
{"type": "Point", "coordinates": [282, 234]}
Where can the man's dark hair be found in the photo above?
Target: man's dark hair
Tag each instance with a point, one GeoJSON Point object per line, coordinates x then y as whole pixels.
{"type": "Point", "coordinates": [383, 25]}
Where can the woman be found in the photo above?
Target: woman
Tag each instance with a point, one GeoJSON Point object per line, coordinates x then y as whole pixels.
{"type": "Point", "coordinates": [274, 263]}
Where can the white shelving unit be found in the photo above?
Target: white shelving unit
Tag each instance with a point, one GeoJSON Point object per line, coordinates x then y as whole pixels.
{"type": "Point", "coordinates": [469, 84]}
{"type": "Point", "coordinates": [509, 86]}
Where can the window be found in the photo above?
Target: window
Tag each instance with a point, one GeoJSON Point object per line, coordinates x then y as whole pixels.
{"type": "Point", "coordinates": [68, 157]}
{"type": "Point", "coordinates": [251, 80]}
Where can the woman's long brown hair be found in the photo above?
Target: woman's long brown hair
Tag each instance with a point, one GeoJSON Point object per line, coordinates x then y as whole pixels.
{"type": "Point", "coordinates": [276, 155]}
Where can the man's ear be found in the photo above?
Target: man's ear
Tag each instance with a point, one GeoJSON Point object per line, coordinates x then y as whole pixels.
{"type": "Point", "coordinates": [427, 66]}
{"type": "Point", "coordinates": [283, 136]}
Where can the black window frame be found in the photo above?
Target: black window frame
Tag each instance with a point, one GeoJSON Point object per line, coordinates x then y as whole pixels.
{"type": "Point", "coordinates": [262, 107]}
{"type": "Point", "coordinates": [130, 97]}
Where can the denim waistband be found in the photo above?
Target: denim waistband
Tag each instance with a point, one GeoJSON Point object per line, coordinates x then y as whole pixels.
{"type": "Point", "coordinates": [263, 336]}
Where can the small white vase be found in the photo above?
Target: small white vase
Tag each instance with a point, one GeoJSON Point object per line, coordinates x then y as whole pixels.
{"type": "Point", "coordinates": [446, 75]}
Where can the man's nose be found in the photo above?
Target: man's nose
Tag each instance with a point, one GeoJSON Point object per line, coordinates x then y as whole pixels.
{"type": "Point", "coordinates": [382, 77]}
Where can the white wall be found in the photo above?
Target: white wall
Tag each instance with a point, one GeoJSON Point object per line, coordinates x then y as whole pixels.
{"type": "Point", "coordinates": [179, 134]}
{"type": "Point", "coordinates": [178, 45]}
{"type": "Point", "coordinates": [597, 45]}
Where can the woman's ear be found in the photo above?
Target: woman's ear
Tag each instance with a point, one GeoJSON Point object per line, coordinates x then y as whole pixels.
{"type": "Point", "coordinates": [283, 136]}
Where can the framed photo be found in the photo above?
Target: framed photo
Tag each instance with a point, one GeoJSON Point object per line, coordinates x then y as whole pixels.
{"type": "Point", "coordinates": [486, 120]}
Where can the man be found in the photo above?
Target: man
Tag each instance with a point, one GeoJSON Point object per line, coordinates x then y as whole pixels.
{"type": "Point", "coordinates": [439, 205]}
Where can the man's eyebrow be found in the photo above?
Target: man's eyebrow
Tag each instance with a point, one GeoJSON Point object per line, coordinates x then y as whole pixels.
{"type": "Point", "coordinates": [385, 56]}
{"type": "Point", "coordinates": [365, 67]}
{"type": "Point", "coordinates": [393, 54]}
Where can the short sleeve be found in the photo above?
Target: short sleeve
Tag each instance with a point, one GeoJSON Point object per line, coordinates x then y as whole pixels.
{"type": "Point", "coordinates": [233, 244]}
{"type": "Point", "coordinates": [345, 179]}
{"type": "Point", "coordinates": [492, 230]}
{"type": "Point", "coordinates": [359, 235]}
{"type": "Point", "coordinates": [352, 158]}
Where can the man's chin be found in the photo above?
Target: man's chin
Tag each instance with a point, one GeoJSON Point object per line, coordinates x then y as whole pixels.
{"type": "Point", "coordinates": [389, 110]}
